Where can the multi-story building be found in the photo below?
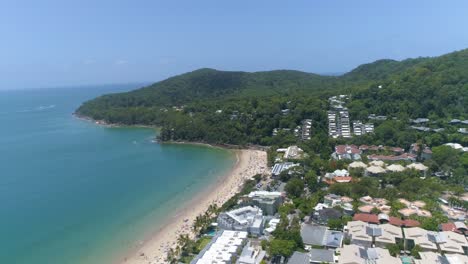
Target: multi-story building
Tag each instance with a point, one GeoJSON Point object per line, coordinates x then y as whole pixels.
{"type": "Point", "coordinates": [223, 248]}
{"type": "Point", "coordinates": [248, 218]}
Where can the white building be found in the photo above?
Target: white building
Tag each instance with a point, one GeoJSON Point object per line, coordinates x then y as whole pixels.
{"type": "Point", "coordinates": [249, 219]}
{"type": "Point", "coordinates": [222, 248]}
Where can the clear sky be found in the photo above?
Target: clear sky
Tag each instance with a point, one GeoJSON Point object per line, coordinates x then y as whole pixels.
{"type": "Point", "coordinates": [51, 43]}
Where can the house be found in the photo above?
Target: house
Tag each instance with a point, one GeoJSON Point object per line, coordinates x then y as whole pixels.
{"type": "Point", "coordinates": [418, 236]}
{"type": "Point", "coordinates": [314, 256]}
{"type": "Point", "coordinates": [354, 254]}
{"type": "Point", "coordinates": [249, 219]}
{"type": "Point", "coordinates": [457, 227]}
{"type": "Point", "coordinates": [315, 235]}
{"type": "Point", "coordinates": [452, 242]}
{"type": "Point", "coordinates": [426, 152]}
{"type": "Point", "coordinates": [383, 219]}
{"type": "Point", "coordinates": [367, 235]}
{"type": "Point", "coordinates": [223, 248]}
{"type": "Point", "coordinates": [267, 201]}
{"type": "Point", "coordinates": [323, 216]}
{"type": "Point", "coordinates": [350, 152]}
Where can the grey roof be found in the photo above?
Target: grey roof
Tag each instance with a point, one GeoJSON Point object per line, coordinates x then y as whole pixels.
{"type": "Point", "coordinates": [299, 258]}
{"type": "Point", "coordinates": [371, 253]}
{"type": "Point", "coordinates": [322, 255]}
{"type": "Point", "coordinates": [330, 213]}
{"type": "Point", "coordinates": [313, 234]}
{"type": "Point", "coordinates": [333, 239]}
{"type": "Point", "coordinates": [373, 230]}
{"type": "Point", "coordinates": [436, 237]}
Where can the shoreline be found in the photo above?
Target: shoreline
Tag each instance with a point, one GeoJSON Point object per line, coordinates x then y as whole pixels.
{"type": "Point", "coordinates": [154, 248]}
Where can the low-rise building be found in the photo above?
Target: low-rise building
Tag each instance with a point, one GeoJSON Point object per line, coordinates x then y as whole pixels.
{"type": "Point", "coordinates": [436, 258]}
{"type": "Point", "coordinates": [354, 254]}
{"type": "Point", "coordinates": [223, 248]}
{"type": "Point", "coordinates": [249, 219]}
{"type": "Point", "coordinates": [350, 152]}
{"type": "Point", "coordinates": [314, 256]}
{"type": "Point", "coordinates": [365, 234]}
{"type": "Point", "coordinates": [316, 235]}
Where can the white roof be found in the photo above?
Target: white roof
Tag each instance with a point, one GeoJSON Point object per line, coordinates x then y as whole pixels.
{"type": "Point", "coordinates": [357, 164]}
{"type": "Point", "coordinates": [395, 168]}
{"type": "Point", "coordinates": [417, 166]}
{"type": "Point", "coordinates": [375, 169]}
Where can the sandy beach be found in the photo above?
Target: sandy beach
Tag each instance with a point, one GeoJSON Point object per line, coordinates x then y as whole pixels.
{"type": "Point", "coordinates": [154, 249]}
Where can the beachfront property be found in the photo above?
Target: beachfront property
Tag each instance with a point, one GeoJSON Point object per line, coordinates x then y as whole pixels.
{"type": "Point", "coordinates": [223, 248]}
{"type": "Point", "coordinates": [317, 235]}
{"type": "Point", "coordinates": [370, 235]}
{"type": "Point", "coordinates": [248, 218]}
{"type": "Point", "coordinates": [267, 201]}
{"type": "Point", "coordinates": [354, 254]}
{"type": "Point", "coordinates": [349, 152]}
{"type": "Point", "coordinates": [436, 258]}
{"type": "Point", "coordinates": [278, 168]}
{"type": "Point", "coordinates": [291, 152]}
{"type": "Point", "coordinates": [313, 256]}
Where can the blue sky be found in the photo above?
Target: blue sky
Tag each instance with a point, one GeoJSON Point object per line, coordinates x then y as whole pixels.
{"type": "Point", "coordinates": [64, 43]}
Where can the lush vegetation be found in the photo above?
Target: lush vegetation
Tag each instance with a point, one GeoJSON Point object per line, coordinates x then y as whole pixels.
{"type": "Point", "coordinates": [240, 108]}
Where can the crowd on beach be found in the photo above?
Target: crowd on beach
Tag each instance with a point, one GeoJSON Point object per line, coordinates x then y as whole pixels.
{"type": "Point", "coordinates": [155, 249]}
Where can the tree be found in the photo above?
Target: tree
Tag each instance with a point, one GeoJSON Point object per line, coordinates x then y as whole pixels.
{"type": "Point", "coordinates": [294, 187]}
{"type": "Point", "coordinates": [335, 224]}
{"type": "Point", "coordinates": [278, 247]}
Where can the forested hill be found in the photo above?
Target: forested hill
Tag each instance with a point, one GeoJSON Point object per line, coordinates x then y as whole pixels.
{"type": "Point", "coordinates": [240, 107]}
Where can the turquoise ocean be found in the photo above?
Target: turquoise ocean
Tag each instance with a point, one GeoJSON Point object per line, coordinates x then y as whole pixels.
{"type": "Point", "coordinates": [74, 192]}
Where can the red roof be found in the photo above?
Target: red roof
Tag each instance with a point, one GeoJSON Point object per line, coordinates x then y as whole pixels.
{"type": "Point", "coordinates": [368, 218]}
{"type": "Point", "coordinates": [374, 219]}
{"type": "Point", "coordinates": [343, 149]}
{"type": "Point", "coordinates": [450, 227]}
{"type": "Point", "coordinates": [343, 179]}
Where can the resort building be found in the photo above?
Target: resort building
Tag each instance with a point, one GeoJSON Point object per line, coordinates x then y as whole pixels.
{"type": "Point", "coordinates": [223, 248]}
{"type": "Point", "coordinates": [354, 254]}
{"type": "Point", "coordinates": [361, 129]}
{"type": "Point", "coordinates": [267, 201]}
{"type": "Point", "coordinates": [249, 219]}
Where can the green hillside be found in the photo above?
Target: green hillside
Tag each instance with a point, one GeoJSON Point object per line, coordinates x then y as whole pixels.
{"type": "Point", "coordinates": [240, 107]}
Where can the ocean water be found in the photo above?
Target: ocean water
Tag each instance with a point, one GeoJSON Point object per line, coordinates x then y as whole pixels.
{"type": "Point", "coordinates": [73, 192]}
